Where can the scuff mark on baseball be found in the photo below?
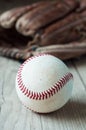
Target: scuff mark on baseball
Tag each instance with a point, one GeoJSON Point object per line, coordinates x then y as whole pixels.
{"type": "Point", "coordinates": [44, 83]}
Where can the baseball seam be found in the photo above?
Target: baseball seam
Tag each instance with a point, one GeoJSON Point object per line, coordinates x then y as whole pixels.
{"type": "Point", "coordinates": [45, 94]}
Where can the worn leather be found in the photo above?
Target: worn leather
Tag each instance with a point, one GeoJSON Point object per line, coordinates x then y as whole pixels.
{"type": "Point", "coordinates": [57, 28]}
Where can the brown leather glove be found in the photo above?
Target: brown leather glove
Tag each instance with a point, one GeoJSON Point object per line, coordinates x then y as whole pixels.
{"type": "Point", "coordinates": [57, 28]}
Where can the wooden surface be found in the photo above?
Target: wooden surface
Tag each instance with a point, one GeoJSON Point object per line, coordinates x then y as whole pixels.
{"type": "Point", "coordinates": [14, 116]}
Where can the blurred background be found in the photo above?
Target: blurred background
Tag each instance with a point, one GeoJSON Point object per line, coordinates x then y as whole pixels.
{"type": "Point", "coordinates": [8, 4]}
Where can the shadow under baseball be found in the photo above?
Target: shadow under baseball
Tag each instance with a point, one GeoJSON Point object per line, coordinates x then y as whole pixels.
{"type": "Point", "coordinates": [73, 110]}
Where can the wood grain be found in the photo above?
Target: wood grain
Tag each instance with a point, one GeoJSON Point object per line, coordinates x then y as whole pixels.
{"type": "Point", "coordinates": [14, 116]}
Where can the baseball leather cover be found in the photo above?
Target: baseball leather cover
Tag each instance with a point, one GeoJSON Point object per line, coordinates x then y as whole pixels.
{"type": "Point", "coordinates": [53, 27]}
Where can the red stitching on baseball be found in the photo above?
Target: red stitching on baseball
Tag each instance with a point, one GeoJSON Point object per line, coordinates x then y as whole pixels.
{"type": "Point", "coordinates": [41, 95]}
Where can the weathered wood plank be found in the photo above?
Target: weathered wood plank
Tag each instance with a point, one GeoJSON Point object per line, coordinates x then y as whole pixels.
{"type": "Point", "coordinates": [14, 116]}
{"type": "Point", "coordinates": [80, 66]}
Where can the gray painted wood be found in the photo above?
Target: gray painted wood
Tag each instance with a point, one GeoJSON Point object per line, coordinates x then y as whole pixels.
{"type": "Point", "coordinates": [14, 116]}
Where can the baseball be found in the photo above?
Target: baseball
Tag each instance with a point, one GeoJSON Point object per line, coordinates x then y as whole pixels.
{"type": "Point", "coordinates": [44, 83]}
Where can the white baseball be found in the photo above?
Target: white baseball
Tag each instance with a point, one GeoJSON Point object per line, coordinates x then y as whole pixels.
{"type": "Point", "coordinates": [44, 83]}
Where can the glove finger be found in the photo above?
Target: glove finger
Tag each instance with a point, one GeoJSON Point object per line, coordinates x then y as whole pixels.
{"type": "Point", "coordinates": [42, 16]}
{"type": "Point", "coordinates": [63, 51]}
{"type": "Point", "coordinates": [23, 21]}
{"type": "Point", "coordinates": [8, 18]}
{"type": "Point", "coordinates": [66, 30]}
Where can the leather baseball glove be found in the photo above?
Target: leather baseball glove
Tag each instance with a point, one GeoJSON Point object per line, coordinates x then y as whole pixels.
{"type": "Point", "coordinates": [57, 28]}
